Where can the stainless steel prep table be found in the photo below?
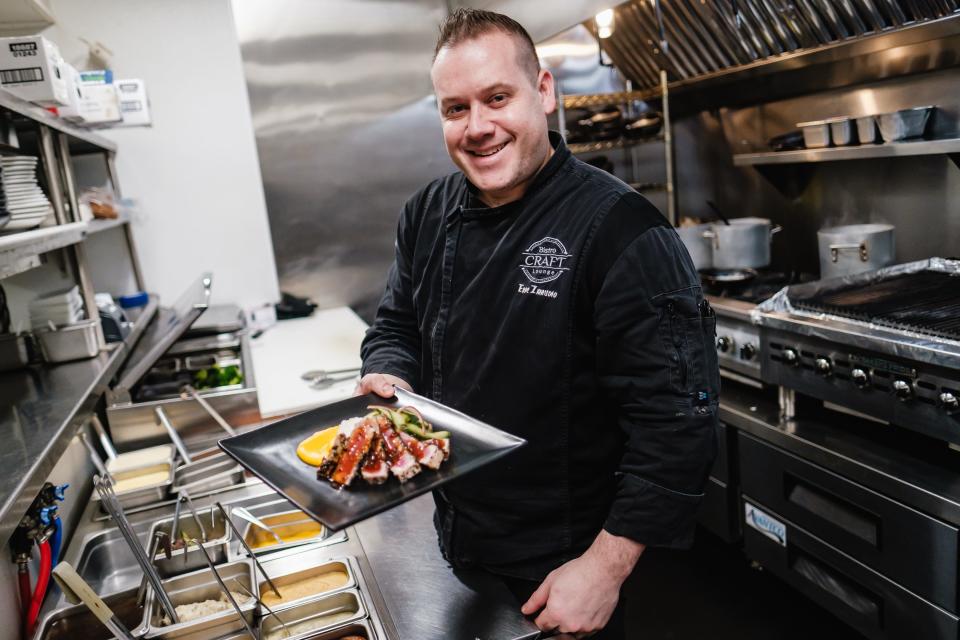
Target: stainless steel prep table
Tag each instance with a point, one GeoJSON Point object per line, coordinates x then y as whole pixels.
{"type": "Point", "coordinates": [416, 595]}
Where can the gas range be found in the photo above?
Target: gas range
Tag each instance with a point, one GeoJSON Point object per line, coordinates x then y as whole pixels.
{"type": "Point", "coordinates": [884, 344]}
{"type": "Point", "coordinates": [733, 296]}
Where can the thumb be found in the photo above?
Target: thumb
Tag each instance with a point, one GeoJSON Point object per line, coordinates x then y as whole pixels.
{"type": "Point", "coordinates": [538, 600]}
{"type": "Point", "coordinates": [386, 389]}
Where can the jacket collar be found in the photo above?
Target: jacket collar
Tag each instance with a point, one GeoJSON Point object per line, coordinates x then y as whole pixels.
{"type": "Point", "coordinates": [472, 206]}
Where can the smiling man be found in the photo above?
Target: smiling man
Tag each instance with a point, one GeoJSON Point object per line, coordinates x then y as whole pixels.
{"type": "Point", "coordinates": [545, 297]}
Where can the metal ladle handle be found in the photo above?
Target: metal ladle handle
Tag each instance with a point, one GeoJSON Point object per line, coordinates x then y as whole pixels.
{"type": "Point", "coordinates": [190, 391]}
{"type": "Point", "coordinates": [226, 591]}
{"type": "Point", "coordinates": [250, 552]}
{"type": "Point", "coordinates": [164, 421]}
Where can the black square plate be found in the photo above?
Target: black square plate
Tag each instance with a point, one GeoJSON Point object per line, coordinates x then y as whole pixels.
{"type": "Point", "coordinates": [270, 453]}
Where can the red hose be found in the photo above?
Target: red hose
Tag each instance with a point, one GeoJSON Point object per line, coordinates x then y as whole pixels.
{"type": "Point", "coordinates": [43, 578]}
{"type": "Point", "coordinates": [23, 578]}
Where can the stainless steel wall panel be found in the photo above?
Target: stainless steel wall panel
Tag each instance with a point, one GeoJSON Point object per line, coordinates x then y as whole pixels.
{"type": "Point", "coordinates": [344, 131]}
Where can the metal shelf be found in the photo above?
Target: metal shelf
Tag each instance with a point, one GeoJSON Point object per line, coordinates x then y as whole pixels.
{"type": "Point", "coordinates": [10, 150]}
{"type": "Point", "coordinates": [861, 152]}
{"type": "Point", "coordinates": [601, 99]}
{"type": "Point", "coordinates": [102, 224]}
{"type": "Point", "coordinates": [88, 139]}
{"type": "Point", "coordinates": [17, 248]}
{"type": "Point", "coordinates": [606, 145]}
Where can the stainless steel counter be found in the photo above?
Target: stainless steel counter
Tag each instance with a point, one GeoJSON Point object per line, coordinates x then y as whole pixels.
{"type": "Point", "coordinates": [40, 411]}
{"type": "Point", "coordinates": [425, 598]}
{"type": "Point", "coordinates": [414, 593]}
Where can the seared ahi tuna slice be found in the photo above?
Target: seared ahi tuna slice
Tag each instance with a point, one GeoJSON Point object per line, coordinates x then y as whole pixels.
{"type": "Point", "coordinates": [444, 445]}
{"type": "Point", "coordinates": [358, 444]}
{"type": "Point", "coordinates": [402, 463]}
{"type": "Point", "coordinates": [427, 452]}
{"type": "Point", "coordinates": [375, 469]}
{"type": "Point", "coordinates": [332, 459]}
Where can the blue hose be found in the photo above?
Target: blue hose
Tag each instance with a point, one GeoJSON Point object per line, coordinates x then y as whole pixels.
{"type": "Point", "coordinates": [55, 540]}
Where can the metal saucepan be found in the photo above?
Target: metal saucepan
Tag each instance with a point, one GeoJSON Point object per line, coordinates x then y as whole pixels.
{"type": "Point", "coordinates": [743, 244]}
{"type": "Point", "coordinates": [855, 248]}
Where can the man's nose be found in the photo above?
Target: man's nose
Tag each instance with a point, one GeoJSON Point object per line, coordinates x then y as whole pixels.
{"type": "Point", "coordinates": [479, 124]}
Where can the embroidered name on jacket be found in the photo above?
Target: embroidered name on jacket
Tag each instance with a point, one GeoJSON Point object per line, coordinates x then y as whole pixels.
{"type": "Point", "coordinates": [544, 261]}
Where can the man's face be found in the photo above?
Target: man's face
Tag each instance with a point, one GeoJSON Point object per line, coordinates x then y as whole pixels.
{"type": "Point", "coordinates": [493, 114]}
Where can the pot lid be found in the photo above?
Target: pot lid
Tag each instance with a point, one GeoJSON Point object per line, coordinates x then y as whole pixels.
{"type": "Point", "coordinates": [165, 329]}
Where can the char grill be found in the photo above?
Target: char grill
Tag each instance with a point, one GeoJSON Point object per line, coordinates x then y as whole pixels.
{"type": "Point", "coordinates": [926, 302]}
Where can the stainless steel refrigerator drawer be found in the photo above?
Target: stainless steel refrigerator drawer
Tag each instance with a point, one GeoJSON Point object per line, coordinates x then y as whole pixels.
{"type": "Point", "coordinates": [874, 605]}
{"type": "Point", "coordinates": [909, 547]}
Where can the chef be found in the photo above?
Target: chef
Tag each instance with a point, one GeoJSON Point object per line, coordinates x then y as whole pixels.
{"type": "Point", "coordinates": [545, 297]}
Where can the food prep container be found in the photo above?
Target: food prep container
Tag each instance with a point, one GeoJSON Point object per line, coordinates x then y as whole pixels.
{"type": "Point", "coordinates": [841, 131]}
{"type": "Point", "coordinates": [217, 544]}
{"type": "Point", "coordinates": [904, 124]}
{"type": "Point", "coordinates": [14, 352]}
{"type": "Point", "coordinates": [855, 248]}
{"type": "Point", "coordinates": [73, 622]}
{"type": "Point", "coordinates": [816, 134]}
{"type": "Point", "coordinates": [867, 129]}
{"type": "Point", "coordinates": [287, 524]}
{"type": "Point", "coordinates": [72, 342]}
{"type": "Point", "coordinates": [288, 570]}
{"type": "Point", "coordinates": [341, 602]}
{"type": "Point", "coordinates": [743, 244]}
{"type": "Point", "coordinates": [697, 241]}
{"type": "Point", "coordinates": [142, 495]}
{"type": "Point", "coordinates": [208, 474]}
{"type": "Point", "coordinates": [147, 457]}
{"type": "Point", "coordinates": [196, 587]}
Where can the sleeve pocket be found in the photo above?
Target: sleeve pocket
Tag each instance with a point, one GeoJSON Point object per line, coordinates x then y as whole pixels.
{"type": "Point", "coordinates": [687, 327]}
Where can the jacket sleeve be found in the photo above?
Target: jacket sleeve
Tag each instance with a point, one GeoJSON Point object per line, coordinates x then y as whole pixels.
{"type": "Point", "coordinates": [392, 343]}
{"type": "Point", "coordinates": [657, 365]}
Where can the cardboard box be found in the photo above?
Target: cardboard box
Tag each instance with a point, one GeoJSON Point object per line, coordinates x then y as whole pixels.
{"type": "Point", "coordinates": [31, 68]}
{"type": "Point", "coordinates": [134, 105]}
{"type": "Point", "coordinates": [100, 103]}
{"type": "Point", "coordinates": [71, 112]}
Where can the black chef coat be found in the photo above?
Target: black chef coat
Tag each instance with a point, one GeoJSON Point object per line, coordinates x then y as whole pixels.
{"type": "Point", "coordinates": [573, 318]}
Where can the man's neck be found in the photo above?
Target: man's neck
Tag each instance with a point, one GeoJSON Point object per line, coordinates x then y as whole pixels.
{"type": "Point", "coordinates": [500, 199]}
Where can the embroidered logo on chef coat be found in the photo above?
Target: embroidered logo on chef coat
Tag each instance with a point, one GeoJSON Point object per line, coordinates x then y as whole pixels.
{"type": "Point", "coordinates": [545, 261]}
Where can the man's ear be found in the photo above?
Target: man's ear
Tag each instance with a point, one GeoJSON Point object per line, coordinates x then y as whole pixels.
{"type": "Point", "coordinates": [545, 87]}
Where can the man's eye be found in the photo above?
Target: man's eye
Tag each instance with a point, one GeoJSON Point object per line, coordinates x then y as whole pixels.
{"type": "Point", "coordinates": [455, 109]}
{"type": "Point", "coordinates": [498, 98]}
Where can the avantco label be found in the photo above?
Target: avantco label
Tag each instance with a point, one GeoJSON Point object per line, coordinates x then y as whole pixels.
{"type": "Point", "coordinates": [544, 261]}
{"type": "Point", "coordinates": [765, 524]}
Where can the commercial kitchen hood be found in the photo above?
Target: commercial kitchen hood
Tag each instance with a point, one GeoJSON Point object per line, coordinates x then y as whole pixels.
{"type": "Point", "coordinates": [714, 44]}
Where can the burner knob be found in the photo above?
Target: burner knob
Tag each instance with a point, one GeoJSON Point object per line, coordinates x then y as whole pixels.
{"type": "Point", "coordinates": [860, 378]}
{"type": "Point", "coordinates": [724, 344]}
{"type": "Point", "coordinates": [748, 351]}
{"type": "Point", "coordinates": [902, 389]}
{"type": "Point", "coordinates": [949, 401]}
{"type": "Point", "coordinates": [791, 357]}
{"type": "Point", "coordinates": [823, 366]}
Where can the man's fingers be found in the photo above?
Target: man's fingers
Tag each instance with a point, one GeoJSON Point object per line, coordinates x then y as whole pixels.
{"type": "Point", "coordinates": [537, 600]}
{"type": "Point", "coordinates": [546, 622]}
{"type": "Point", "coordinates": [385, 390]}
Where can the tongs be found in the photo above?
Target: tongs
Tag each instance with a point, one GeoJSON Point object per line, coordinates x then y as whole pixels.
{"type": "Point", "coordinates": [247, 547]}
{"type": "Point", "coordinates": [104, 487]}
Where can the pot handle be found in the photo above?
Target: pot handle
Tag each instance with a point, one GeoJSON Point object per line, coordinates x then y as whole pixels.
{"type": "Point", "coordinates": [710, 234]}
{"type": "Point", "coordinates": [861, 247]}
{"type": "Point", "coordinates": [775, 229]}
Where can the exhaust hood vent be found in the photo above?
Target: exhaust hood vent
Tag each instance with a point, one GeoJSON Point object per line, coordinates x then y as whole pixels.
{"type": "Point", "coordinates": [704, 38]}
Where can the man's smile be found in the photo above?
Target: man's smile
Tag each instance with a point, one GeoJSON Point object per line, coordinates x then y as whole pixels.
{"type": "Point", "coordinates": [488, 152]}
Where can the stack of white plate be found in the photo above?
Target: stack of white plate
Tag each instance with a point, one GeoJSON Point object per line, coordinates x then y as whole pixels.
{"type": "Point", "coordinates": [61, 308]}
{"type": "Point", "coordinates": [20, 194]}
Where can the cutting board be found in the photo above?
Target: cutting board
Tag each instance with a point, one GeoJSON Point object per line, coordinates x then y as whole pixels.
{"type": "Point", "coordinates": [329, 339]}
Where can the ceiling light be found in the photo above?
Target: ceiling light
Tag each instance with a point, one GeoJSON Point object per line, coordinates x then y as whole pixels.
{"type": "Point", "coordinates": [604, 21]}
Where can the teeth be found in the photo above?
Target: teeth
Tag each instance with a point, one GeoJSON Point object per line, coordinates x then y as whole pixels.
{"type": "Point", "coordinates": [484, 155]}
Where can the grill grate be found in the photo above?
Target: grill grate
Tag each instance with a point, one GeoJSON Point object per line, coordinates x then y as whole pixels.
{"type": "Point", "coordinates": [925, 302]}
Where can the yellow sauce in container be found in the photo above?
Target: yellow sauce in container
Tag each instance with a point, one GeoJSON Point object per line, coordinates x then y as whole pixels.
{"type": "Point", "coordinates": [307, 586]}
{"type": "Point", "coordinates": [293, 526]}
{"type": "Point", "coordinates": [309, 625]}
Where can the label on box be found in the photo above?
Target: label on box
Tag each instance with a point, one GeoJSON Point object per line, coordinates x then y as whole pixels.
{"type": "Point", "coordinates": [765, 524]}
{"type": "Point", "coordinates": [19, 76]}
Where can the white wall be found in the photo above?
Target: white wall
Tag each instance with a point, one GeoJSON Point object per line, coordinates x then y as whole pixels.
{"type": "Point", "coordinates": [195, 172]}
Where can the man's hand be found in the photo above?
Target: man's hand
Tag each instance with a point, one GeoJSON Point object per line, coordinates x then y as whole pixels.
{"type": "Point", "coordinates": [381, 384]}
{"type": "Point", "coordinates": [579, 597]}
